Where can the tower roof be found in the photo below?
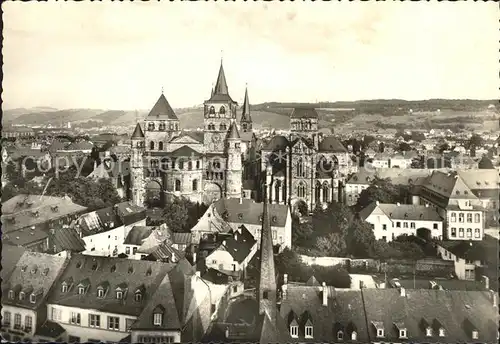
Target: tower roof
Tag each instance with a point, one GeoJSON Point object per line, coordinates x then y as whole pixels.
{"type": "Point", "coordinates": [267, 270]}
{"type": "Point", "coordinates": [138, 134]}
{"type": "Point", "coordinates": [245, 113]}
{"type": "Point", "coordinates": [221, 85]}
{"type": "Point", "coordinates": [233, 131]}
{"type": "Point", "coordinates": [162, 109]}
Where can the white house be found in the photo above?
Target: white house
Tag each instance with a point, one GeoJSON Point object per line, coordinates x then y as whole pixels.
{"type": "Point", "coordinates": [467, 256]}
{"type": "Point", "coordinates": [234, 253]}
{"type": "Point", "coordinates": [104, 230]}
{"type": "Point", "coordinates": [392, 220]}
{"type": "Point", "coordinates": [227, 215]}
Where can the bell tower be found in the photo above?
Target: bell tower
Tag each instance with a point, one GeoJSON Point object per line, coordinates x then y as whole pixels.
{"type": "Point", "coordinates": [219, 111]}
{"type": "Point", "coordinates": [234, 167]}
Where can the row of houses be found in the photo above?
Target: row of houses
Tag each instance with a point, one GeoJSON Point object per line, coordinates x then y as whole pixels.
{"type": "Point", "coordinates": [46, 298]}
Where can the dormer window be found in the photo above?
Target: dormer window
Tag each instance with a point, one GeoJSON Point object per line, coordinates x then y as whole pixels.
{"type": "Point", "coordinates": [138, 297]}
{"type": "Point", "coordinates": [380, 333]}
{"type": "Point", "coordinates": [21, 296]}
{"type": "Point", "coordinates": [64, 288]}
{"type": "Point", "coordinates": [33, 270]}
{"type": "Point", "coordinates": [100, 292]}
{"type": "Point", "coordinates": [119, 295]}
{"type": "Point", "coordinates": [441, 332]}
{"type": "Point", "coordinates": [340, 335]}
{"type": "Point", "coordinates": [33, 298]}
{"type": "Point", "coordinates": [309, 331]}
{"type": "Point", "coordinates": [428, 332]}
{"type": "Point", "coordinates": [354, 335]}
{"type": "Point", "coordinates": [475, 334]}
{"type": "Point", "coordinates": [402, 333]}
{"type": "Point", "coordinates": [81, 290]}
{"type": "Point", "coordinates": [294, 331]}
{"type": "Point", "coordinates": [11, 294]}
{"type": "Point", "coordinates": [157, 319]}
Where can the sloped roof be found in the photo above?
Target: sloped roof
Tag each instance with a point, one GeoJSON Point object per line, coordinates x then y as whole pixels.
{"type": "Point", "coordinates": [240, 243]}
{"type": "Point", "coordinates": [40, 273]}
{"type": "Point", "coordinates": [304, 112]}
{"type": "Point", "coordinates": [66, 239]}
{"type": "Point", "coordinates": [184, 152]}
{"type": "Point", "coordinates": [233, 132]}
{"type": "Point", "coordinates": [137, 235]}
{"type": "Point", "coordinates": [250, 212]}
{"type": "Point", "coordinates": [10, 256]}
{"type": "Point", "coordinates": [162, 110]}
{"type": "Point", "coordinates": [480, 179]}
{"type": "Point", "coordinates": [409, 212]}
{"type": "Point", "coordinates": [278, 142]}
{"type": "Point", "coordinates": [470, 250]}
{"type": "Point", "coordinates": [181, 238]}
{"type": "Point", "coordinates": [50, 329]}
{"type": "Point", "coordinates": [82, 145]}
{"type": "Point", "coordinates": [331, 144]}
{"type": "Point", "coordinates": [138, 133]}
{"type": "Point", "coordinates": [98, 221]}
{"type": "Point", "coordinates": [129, 274]}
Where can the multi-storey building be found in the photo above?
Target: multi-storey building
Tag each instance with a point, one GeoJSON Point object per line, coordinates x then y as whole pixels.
{"type": "Point", "coordinates": [201, 166]}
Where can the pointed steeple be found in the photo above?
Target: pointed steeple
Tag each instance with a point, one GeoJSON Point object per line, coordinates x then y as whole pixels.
{"type": "Point", "coordinates": [212, 93]}
{"type": "Point", "coordinates": [162, 109]}
{"type": "Point", "coordinates": [245, 113]}
{"type": "Point", "coordinates": [233, 131]}
{"type": "Point", "coordinates": [221, 84]}
{"type": "Point", "coordinates": [267, 283]}
{"type": "Point", "coordinates": [138, 134]}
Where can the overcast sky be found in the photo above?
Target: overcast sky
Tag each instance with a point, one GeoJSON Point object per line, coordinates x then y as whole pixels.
{"type": "Point", "coordinates": [119, 55]}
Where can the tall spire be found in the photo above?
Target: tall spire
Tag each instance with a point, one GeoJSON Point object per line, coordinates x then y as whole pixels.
{"type": "Point", "coordinates": [221, 84]}
{"type": "Point", "coordinates": [233, 131]}
{"type": "Point", "coordinates": [245, 113]}
{"type": "Point", "coordinates": [267, 283]}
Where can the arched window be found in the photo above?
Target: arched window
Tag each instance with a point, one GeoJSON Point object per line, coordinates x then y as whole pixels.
{"type": "Point", "coordinates": [222, 110]}
{"type": "Point", "coordinates": [195, 185]}
{"type": "Point", "coordinates": [300, 168]}
{"type": "Point", "coordinates": [160, 145]}
{"type": "Point", "coordinates": [222, 126]}
{"type": "Point", "coordinates": [301, 190]}
{"type": "Point", "coordinates": [326, 190]}
{"type": "Point", "coordinates": [181, 164]}
{"type": "Point", "coordinates": [212, 110]}
{"type": "Point", "coordinates": [317, 192]}
{"type": "Point", "coordinates": [162, 126]}
{"type": "Point", "coordinates": [244, 126]}
{"type": "Point", "coordinates": [177, 185]}
{"type": "Point", "coordinates": [340, 335]}
{"type": "Point", "coordinates": [197, 164]}
{"type": "Point", "coordinates": [151, 126]}
{"type": "Point", "coordinates": [190, 165]}
{"type": "Point", "coordinates": [152, 145]}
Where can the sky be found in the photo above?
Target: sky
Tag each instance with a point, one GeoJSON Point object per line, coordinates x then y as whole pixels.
{"type": "Point", "coordinates": [119, 55]}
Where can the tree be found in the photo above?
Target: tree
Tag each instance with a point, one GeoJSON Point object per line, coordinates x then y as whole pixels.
{"type": "Point", "coordinates": [301, 232]}
{"type": "Point", "coordinates": [367, 139]}
{"type": "Point", "coordinates": [180, 214]}
{"type": "Point", "coordinates": [404, 147]}
{"type": "Point", "coordinates": [332, 245]}
{"type": "Point", "coordinates": [384, 191]}
{"type": "Point", "coordinates": [381, 147]}
{"type": "Point", "coordinates": [475, 141]}
{"type": "Point", "coordinates": [360, 239]}
{"type": "Point", "coordinates": [418, 162]}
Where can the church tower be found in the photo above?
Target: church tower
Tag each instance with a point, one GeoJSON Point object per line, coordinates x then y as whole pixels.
{"type": "Point", "coordinates": [137, 167]}
{"type": "Point", "coordinates": [219, 111]}
{"type": "Point", "coordinates": [234, 178]}
{"type": "Point", "coordinates": [246, 120]}
{"type": "Point", "coordinates": [267, 283]}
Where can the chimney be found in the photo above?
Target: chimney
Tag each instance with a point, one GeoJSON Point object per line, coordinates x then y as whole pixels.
{"type": "Point", "coordinates": [377, 203]}
{"type": "Point", "coordinates": [241, 200]}
{"type": "Point", "coordinates": [494, 298]}
{"type": "Point", "coordinates": [486, 282]}
{"type": "Point", "coordinates": [325, 295]}
{"type": "Point", "coordinates": [285, 279]}
{"type": "Point", "coordinates": [224, 243]}
{"type": "Point", "coordinates": [361, 285]}
{"type": "Point", "coordinates": [402, 292]}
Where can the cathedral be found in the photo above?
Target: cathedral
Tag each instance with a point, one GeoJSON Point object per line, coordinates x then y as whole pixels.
{"type": "Point", "coordinates": [303, 169]}
{"type": "Point", "coordinates": [199, 165]}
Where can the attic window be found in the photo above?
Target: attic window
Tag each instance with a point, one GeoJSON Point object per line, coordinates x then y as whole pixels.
{"type": "Point", "coordinates": [340, 335]}
{"type": "Point", "coordinates": [475, 334]}
{"type": "Point", "coordinates": [119, 295]}
{"type": "Point", "coordinates": [428, 332]}
{"type": "Point", "coordinates": [11, 294]}
{"type": "Point", "coordinates": [34, 269]}
{"type": "Point", "coordinates": [466, 192]}
{"type": "Point", "coordinates": [55, 208]}
{"type": "Point", "coordinates": [23, 268]}
{"type": "Point", "coordinates": [64, 288]}
{"type": "Point", "coordinates": [21, 296]}
{"type": "Point", "coordinates": [240, 216]}
{"type": "Point", "coordinates": [380, 333]}
{"type": "Point", "coordinates": [309, 332]}
{"type": "Point", "coordinates": [81, 290]}
{"type": "Point", "coordinates": [100, 292]}
{"type": "Point", "coordinates": [354, 335]}
{"type": "Point", "coordinates": [402, 333]}
{"type": "Point", "coordinates": [441, 332]}
{"type": "Point", "coordinates": [138, 296]}
{"type": "Point", "coordinates": [33, 298]}
{"type": "Point", "coordinates": [457, 192]}
{"type": "Point", "coordinates": [274, 219]}
{"type": "Point", "coordinates": [294, 331]}
{"type": "Point", "coordinates": [94, 266]}
{"type": "Point", "coordinates": [113, 268]}
{"type": "Point", "coordinates": [45, 271]}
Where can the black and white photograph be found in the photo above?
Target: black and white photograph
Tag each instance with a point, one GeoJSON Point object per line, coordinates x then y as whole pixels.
{"type": "Point", "coordinates": [250, 172]}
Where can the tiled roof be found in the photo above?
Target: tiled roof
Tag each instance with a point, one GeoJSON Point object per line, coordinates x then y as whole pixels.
{"type": "Point", "coordinates": [137, 235]}
{"type": "Point", "coordinates": [25, 237]}
{"type": "Point", "coordinates": [304, 112]}
{"type": "Point", "coordinates": [129, 275]}
{"type": "Point", "coordinates": [419, 309]}
{"type": "Point", "coordinates": [162, 110]}
{"type": "Point", "coordinates": [465, 249]}
{"type": "Point", "coordinates": [233, 131]}
{"type": "Point", "coordinates": [481, 179]}
{"type": "Point", "coordinates": [129, 212]}
{"type": "Point", "coordinates": [407, 212]}
{"type": "Point", "coordinates": [331, 144]}
{"type": "Point", "coordinates": [250, 212]}
{"type": "Point", "coordinates": [182, 238]}
{"type": "Point", "coordinates": [452, 284]}
{"type": "Point", "coordinates": [10, 256]}
{"type": "Point", "coordinates": [239, 244]}
{"type": "Point", "coordinates": [98, 221]}
{"type": "Point", "coordinates": [165, 252]}
{"type": "Point", "coordinates": [35, 272]}
{"type": "Point", "coordinates": [172, 297]}
{"type": "Point", "coordinates": [344, 311]}
{"type": "Point", "coordinates": [66, 239]}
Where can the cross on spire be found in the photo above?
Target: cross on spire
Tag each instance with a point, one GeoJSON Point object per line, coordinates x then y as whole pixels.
{"type": "Point", "coordinates": [162, 90]}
